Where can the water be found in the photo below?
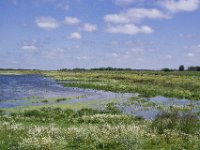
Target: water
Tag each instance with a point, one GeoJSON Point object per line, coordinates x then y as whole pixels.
{"type": "Point", "coordinates": [15, 89]}
{"type": "Point", "coordinates": [150, 112]}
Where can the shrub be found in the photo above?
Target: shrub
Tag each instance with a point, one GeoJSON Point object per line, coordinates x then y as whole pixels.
{"type": "Point", "coordinates": [174, 120]}
{"type": "Point", "coordinates": [181, 68]}
{"type": "Point", "coordinates": [88, 111]}
{"type": "Point", "coordinates": [32, 113]}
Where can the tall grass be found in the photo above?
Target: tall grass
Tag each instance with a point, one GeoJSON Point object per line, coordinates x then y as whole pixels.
{"type": "Point", "coordinates": [55, 129]}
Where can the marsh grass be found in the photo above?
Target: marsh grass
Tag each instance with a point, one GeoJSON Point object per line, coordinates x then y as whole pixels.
{"type": "Point", "coordinates": [186, 122]}
{"type": "Point", "coordinates": [77, 126]}
{"type": "Point", "coordinates": [45, 101]}
{"type": "Point", "coordinates": [61, 99]}
{"type": "Point", "coordinates": [56, 128]}
{"type": "Point", "coordinates": [148, 83]}
{"type": "Point", "coordinates": [68, 129]}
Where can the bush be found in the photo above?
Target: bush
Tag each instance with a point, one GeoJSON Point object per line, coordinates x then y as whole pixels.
{"type": "Point", "coordinates": [184, 122]}
{"type": "Point", "coordinates": [181, 68]}
{"type": "Point", "coordinates": [88, 111]}
{"type": "Point", "coordinates": [1, 112]}
{"type": "Point", "coordinates": [32, 113]}
{"type": "Point", "coordinates": [166, 69]}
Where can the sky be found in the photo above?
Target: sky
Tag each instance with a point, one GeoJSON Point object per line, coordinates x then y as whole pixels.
{"type": "Point", "coordinates": [137, 34]}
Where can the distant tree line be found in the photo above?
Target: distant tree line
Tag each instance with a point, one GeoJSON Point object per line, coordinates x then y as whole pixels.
{"type": "Point", "coordinates": [104, 69]}
{"type": "Point", "coordinates": [11, 69]}
{"type": "Point", "coordinates": [194, 68]}
{"type": "Point", "coordinates": [182, 68]}
{"type": "Point", "coordinates": [97, 69]}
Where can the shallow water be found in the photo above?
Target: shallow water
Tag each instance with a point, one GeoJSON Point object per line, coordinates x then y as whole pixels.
{"type": "Point", "coordinates": [15, 89]}
{"type": "Point", "coordinates": [150, 112]}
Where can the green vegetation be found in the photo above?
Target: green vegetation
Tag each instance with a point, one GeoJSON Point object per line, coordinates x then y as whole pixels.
{"type": "Point", "coordinates": [179, 84]}
{"type": "Point", "coordinates": [181, 68]}
{"type": "Point", "coordinates": [35, 99]}
{"type": "Point", "coordinates": [55, 128]}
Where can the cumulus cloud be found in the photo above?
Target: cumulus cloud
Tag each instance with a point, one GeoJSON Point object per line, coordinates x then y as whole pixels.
{"type": "Point", "coordinates": [75, 35]}
{"type": "Point", "coordinates": [82, 57]}
{"type": "Point", "coordinates": [71, 20]}
{"type": "Point", "coordinates": [194, 48]}
{"type": "Point", "coordinates": [169, 56]}
{"type": "Point", "coordinates": [129, 29]}
{"type": "Point", "coordinates": [190, 55]}
{"type": "Point", "coordinates": [134, 15]}
{"type": "Point", "coordinates": [175, 6]}
{"type": "Point", "coordinates": [89, 27]}
{"type": "Point", "coordinates": [47, 23]}
{"type": "Point", "coordinates": [31, 45]}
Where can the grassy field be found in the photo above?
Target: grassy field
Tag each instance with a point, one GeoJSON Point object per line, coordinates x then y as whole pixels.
{"type": "Point", "coordinates": [55, 128]}
{"type": "Point", "coordinates": [78, 126]}
{"type": "Point", "coordinates": [147, 83]}
{"type": "Point", "coordinates": [178, 84]}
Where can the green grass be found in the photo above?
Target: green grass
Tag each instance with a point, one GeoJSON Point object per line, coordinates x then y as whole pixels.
{"type": "Point", "coordinates": [73, 106]}
{"type": "Point", "coordinates": [147, 83]}
{"type": "Point", "coordinates": [80, 126]}
{"type": "Point", "coordinates": [56, 128]}
{"type": "Point", "coordinates": [35, 99]}
{"type": "Point", "coordinates": [179, 84]}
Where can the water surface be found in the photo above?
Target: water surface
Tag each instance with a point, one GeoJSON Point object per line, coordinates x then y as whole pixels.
{"type": "Point", "coordinates": [17, 90]}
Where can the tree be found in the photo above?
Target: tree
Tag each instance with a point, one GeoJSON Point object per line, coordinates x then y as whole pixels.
{"type": "Point", "coordinates": [166, 69]}
{"type": "Point", "coordinates": [194, 68]}
{"type": "Point", "coordinates": [181, 68]}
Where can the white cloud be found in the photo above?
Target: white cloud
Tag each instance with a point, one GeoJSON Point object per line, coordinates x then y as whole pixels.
{"type": "Point", "coordinates": [71, 20]}
{"type": "Point", "coordinates": [89, 27]}
{"type": "Point", "coordinates": [134, 15]}
{"type": "Point", "coordinates": [194, 48]}
{"type": "Point", "coordinates": [175, 6]}
{"type": "Point", "coordinates": [138, 50]}
{"type": "Point", "coordinates": [31, 45]}
{"type": "Point", "coordinates": [169, 57]}
{"type": "Point", "coordinates": [47, 23]}
{"type": "Point", "coordinates": [117, 18]}
{"type": "Point", "coordinates": [190, 55]}
{"type": "Point", "coordinates": [75, 35]}
{"type": "Point", "coordinates": [81, 57]}
{"type": "Point", "coordinates": [114, 55]}
{"type": "Point", "coordinates": [129, 29]}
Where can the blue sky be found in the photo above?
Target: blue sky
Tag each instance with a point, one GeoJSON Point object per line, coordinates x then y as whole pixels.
{"type": "Point", "coordinates": [138, 34]}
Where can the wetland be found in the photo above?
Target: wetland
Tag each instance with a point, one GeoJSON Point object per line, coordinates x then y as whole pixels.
{"type": "Point", "coordinates": [99, 110]}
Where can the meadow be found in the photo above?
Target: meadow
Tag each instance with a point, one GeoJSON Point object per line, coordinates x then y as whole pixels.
{"type": "Point", "coordinates": [147, 83]}
{"type": "Point", "coordinates": [81, 126]}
